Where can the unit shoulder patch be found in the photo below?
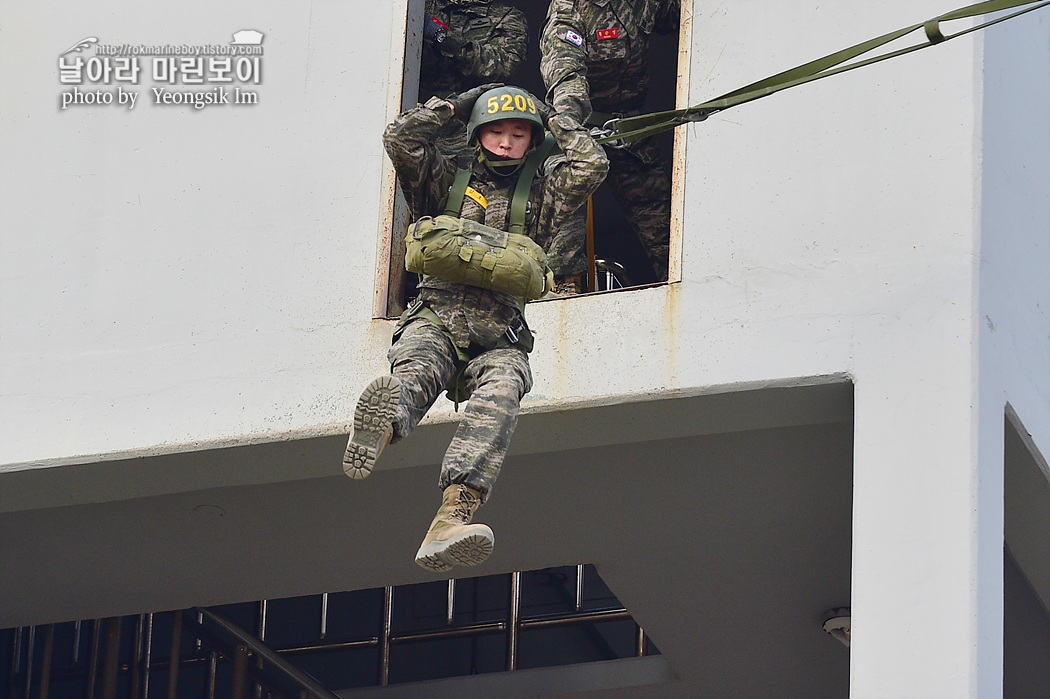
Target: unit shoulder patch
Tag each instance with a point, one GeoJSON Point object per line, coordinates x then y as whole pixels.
{"type": "Point", "coordinates": [573, 38]}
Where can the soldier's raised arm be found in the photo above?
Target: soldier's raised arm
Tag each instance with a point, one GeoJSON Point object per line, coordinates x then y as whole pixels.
{"type": "Point", "coordinates": [572, 176]}
{"type": "Point", "coordinates": [493, 52]}
{"type": "Point", "coordinates": [421, 169]}
{"type": "Point", "coordinates": [562, 59]}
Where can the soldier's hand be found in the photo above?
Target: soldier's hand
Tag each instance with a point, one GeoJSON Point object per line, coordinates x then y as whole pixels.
{"type": "Point", "coordinates": [450, 44]}
{"type": "Point", "coordinates": [463, 103]}
{"type": "Point", "coordinates": [544, 110]}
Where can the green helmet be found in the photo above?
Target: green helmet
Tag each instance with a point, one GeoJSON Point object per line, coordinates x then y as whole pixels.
{"type": "Point", "coordinates": [502, 103]}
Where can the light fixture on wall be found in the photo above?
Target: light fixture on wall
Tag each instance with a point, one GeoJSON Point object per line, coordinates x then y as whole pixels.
{"type": "Point", "coordinates": [837, 623]}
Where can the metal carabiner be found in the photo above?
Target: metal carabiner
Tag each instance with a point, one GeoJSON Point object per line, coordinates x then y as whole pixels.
{"type": "Point", "coordinates": [415, 227]}
{"type": "Point", "coordinates": [608, 130]}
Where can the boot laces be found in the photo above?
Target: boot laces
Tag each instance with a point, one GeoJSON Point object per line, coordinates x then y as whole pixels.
{"type": "Point", "coordinates": [465, 505]}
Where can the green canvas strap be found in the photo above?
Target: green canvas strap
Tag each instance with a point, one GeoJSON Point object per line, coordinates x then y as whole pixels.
{"type": "Point", "coordinates": [519, 199]}
{"type": "Point", "coordinates": [619, 132]}
{"type": "Point", "coordinates": [458, 190]}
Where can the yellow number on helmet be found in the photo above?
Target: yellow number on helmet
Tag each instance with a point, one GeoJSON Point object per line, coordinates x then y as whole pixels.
{"type": "Point", "coordinates": [519, 103]}
{"type": "Point", "coordinates": [532, 106]}
{"type": "Point", "coordinates": [508, 102]}
{"type": "Point", "coordinates": [493, 105]}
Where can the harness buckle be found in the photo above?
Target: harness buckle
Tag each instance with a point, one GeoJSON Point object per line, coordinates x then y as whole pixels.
{"type": "Point", "coordinates": [512, 332]}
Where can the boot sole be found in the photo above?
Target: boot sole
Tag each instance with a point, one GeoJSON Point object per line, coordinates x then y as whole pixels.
{"type": "Point", "coordinates": [465, 549]}
{"type": "Point", "coordinates": [373, 426]}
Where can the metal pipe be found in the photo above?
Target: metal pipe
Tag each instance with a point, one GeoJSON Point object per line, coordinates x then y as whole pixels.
{"type": "Point", "coordinates": [45, 667]}
{"type": "Point", "coordinates": [384, 644]}
{"type": "Point", "coordinates": [30, 652]}
{"type": "Point", "coordinates": [343, 645]}
{"type": "Point", "coordinates": [240, 672]}
{"type": "Point", "coordinates": [490, 627]}
{"type": "Point", "coordinates": [77, 625]}
{"type": "Point", "coordinates": [136, 657]}
{"type": "Point", "coordinates": [306, 682]}
{"type": "Point", "coordinates": [148, 659]}
{"type": "Point", "coordinates": [213, 667]}
{"type": "Point", "coordinates": [110, 663]}
{"type": "Point", "coordinates": [569, 619]}
{"type": "Point", "coordinates": [16, 660]}
{"type": "Point", "coordinates": [263, 607]}
{"type": "Point", "coordinates": [472, 630]}
{"type": "Point", "coordinates": [513, 620]}
{"type": "Point", "coordinates": [176, 655]}
{"type": "Point", "coordinates": [324, 616]}
{"type": "Point", "coordinates": [579, 587]}
{"type": "Point", "coordinates": [450, 604]}
{"type": "Point", "coordinates": [592, 271]}
{"type": "Point", "coordinates": [96, 635]}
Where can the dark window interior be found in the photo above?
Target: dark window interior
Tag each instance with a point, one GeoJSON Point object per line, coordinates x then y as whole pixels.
{"type": "Point", "coordinates": [614, 241]}
{"type": "Point", "coordinates": [561, 621]}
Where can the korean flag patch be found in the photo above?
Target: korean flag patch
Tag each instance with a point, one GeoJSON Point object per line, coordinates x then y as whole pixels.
{"type": "Point", "coordinates": [573, 38]}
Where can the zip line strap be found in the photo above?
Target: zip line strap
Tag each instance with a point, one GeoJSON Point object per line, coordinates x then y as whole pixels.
{"type": "Point", "coordinates": [617, 133]}
{"type": "Point", "coordinates": [520, 198]}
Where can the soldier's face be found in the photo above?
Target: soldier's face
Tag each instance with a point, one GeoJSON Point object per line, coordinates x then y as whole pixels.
{"type": "Point", "coordinates": [509, 138]}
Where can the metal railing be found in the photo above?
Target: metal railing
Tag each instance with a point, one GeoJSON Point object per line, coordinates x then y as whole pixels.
{"type": "Point", "coordinates": [271, 673]}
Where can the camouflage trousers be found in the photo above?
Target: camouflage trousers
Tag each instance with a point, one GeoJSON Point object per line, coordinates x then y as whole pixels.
{"type": "Point", "coordinates": [642, 187]}
{"type": "Point", "coordinates": [424, 360]}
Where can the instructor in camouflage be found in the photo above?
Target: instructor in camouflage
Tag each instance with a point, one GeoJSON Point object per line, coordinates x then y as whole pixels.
{"type": "Point", "coordinates": [594, 62]}
{"type": "Point", "coordinates": [467, 43]}
{"type": "Point", "coordinates": [466, 337]}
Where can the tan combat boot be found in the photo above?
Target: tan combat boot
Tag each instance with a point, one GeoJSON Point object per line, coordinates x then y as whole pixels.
{"type": "Point", "coordinates": [452, 539]}
{"type": "Point", "coordinates": [373, 425]}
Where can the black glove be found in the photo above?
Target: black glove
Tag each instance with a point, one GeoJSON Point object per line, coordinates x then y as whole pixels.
{"type": "Point", "coordinates": [451, 44]}
{"type": "Point", "coordinates": [544, 111]}
{"type": "Point", "coordinates": [434, 29]}
{"type": "Point", "coordinates": [463, 103]}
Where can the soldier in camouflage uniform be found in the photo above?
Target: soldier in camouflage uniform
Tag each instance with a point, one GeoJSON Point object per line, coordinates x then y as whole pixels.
{"type": "Point", "coordinates": [467, 43]}
{"type": "Point", "coordinates": [454, 327]}
{"type": "Point", "coordinates": [594, 56]}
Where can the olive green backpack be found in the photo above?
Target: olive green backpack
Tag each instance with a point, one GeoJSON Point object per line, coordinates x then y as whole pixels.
{"type": "Point", "coordinates": [460, 250]}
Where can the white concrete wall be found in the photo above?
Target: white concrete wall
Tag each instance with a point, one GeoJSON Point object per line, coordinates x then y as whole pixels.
{"type": "Point", "coordinates": [1013, 323]}
{"type": "Point", "coordinates": [174, 277]}
{"type": "Point", "coordinates": [837, 224]}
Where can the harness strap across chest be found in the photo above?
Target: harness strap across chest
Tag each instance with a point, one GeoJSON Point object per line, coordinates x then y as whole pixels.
{"type": "Point", "coordinates": [519, 200]}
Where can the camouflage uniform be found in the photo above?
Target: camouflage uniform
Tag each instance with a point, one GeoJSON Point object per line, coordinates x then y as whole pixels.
{"type": "Point", "coordinates": [594, 56]}
{"type": "Point", "coordinates": [425, 356]}
{"type": "Point", "coordinates": [485, 43]}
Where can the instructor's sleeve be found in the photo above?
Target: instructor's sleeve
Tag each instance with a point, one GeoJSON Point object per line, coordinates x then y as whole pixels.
{"type": "Point", "coordinates": [571, 177]}
{"type": "Point", "coordinates": [562, 60]}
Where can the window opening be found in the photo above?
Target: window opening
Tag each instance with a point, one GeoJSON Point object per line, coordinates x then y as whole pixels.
{"type": "Point", "coordinates": [624, 262]}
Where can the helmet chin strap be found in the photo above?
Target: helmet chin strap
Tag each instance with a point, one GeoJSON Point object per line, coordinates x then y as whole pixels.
{"type": "Point", "coordinates": [497, 164]}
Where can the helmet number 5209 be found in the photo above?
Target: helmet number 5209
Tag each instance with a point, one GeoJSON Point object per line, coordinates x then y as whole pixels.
{"type": "Point", "coordinates": [507, 102]}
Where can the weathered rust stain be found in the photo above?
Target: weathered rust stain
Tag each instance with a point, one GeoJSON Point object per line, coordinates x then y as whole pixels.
{"type": "Point", "coordinates": [563, 339]}
{"type": "Point", "coordinates": [672, 315]}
